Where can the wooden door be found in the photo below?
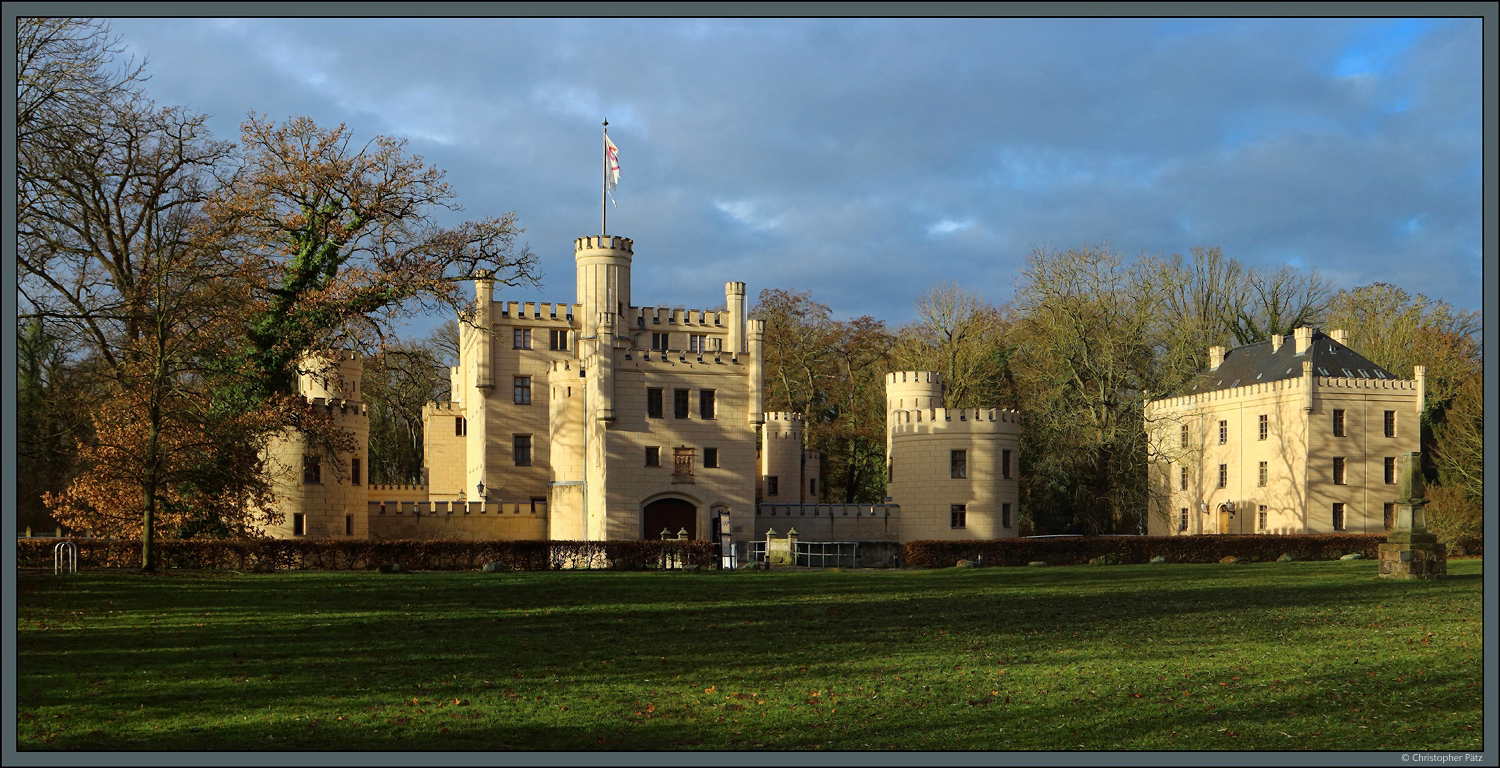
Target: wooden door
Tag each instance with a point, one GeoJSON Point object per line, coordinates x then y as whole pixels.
{"type": "Point", "coordinates": [672, 514]}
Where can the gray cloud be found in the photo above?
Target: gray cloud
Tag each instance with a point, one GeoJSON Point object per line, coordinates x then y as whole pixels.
{"type": "Point", "coordinates": [866, 160]}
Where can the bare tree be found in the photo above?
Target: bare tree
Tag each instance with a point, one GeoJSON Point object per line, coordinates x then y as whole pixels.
{"type": "Point", "coordinates": [962, 337]}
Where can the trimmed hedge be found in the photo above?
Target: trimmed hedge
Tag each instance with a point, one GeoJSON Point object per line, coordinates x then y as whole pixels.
{"type": "Point", "coordinates": [344, 555]}
{"type": "Point", "coordinates": [1140, 549]}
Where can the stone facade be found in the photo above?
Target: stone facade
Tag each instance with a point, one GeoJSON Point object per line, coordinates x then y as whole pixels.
{"type": "Point", "coordinates": [954, 471]}
{"type": "Point", "coordinates": [1298, 435]}
{"type": "Point", "coordinates": [599, 419]}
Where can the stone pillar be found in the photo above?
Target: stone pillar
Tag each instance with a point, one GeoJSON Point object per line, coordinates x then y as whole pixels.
{"type": "Point", "coordinates": [1409, 551]}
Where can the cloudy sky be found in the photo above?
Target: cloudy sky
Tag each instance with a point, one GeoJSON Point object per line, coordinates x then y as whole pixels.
{"type": "Point", "coordinates": [867, 160]}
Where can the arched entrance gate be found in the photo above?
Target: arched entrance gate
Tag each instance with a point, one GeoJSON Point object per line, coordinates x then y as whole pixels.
{"type": "Point", "coordinates": [672, 515]}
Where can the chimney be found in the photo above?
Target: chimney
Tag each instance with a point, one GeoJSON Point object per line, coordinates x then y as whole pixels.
{"type": "Point", "coordinates": [1340, 335]}
{"type": "Point", "coordinates": [1303, 337]}
{"type": "Point", "coordinates": [1276, 340]}
{"type": "Point", "coordinates": [1215, 357]}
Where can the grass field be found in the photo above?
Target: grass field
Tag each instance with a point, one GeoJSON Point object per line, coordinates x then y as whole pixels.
{"type": "Point", "coordinates": [1274, 656]}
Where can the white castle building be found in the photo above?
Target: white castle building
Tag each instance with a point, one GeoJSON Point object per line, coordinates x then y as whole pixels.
{"type": "Point", "coordinates": [603, 420]}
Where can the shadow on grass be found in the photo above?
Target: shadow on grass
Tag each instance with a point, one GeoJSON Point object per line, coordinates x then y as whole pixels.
{"type": "Point", "coordinates": [517, 647]}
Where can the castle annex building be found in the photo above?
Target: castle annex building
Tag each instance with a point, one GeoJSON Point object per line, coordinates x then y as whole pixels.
{"type": "Point", "coordinates": [1288, 435]}
{"type": "Point", "coordinates": [600, 419]}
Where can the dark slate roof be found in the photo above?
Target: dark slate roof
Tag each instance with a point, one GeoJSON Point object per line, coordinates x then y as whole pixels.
{"type": "Point", "coordinates": [1256, 363]}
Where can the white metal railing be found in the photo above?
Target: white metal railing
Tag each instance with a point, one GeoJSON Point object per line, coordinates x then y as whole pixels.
{"type": "Point", "coordinates": [64, 557]}
{"type": "Point", "coordinates": [817, 554]}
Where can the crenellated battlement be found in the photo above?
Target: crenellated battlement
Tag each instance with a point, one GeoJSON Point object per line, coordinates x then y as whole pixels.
{"type": "Point", "coordinates": [1280, 385]}
{"type": "Point", "coordinates": [449, 406]}
{"type": "Point", "coordinates": [545, 312]}
{"type": "Point", "coordinates": [603, 243]}
{"type": "Point", "coordinates": [916, 420]}
{"type": "Point", "coordinates": [914, 377]}
{"type": "Point", "coordinates": [767, 509]}
{"type": "Point", "coordinates": [651, 317]}
{"type": "Point", "coordinates": [787, 416]}
{"type": "Point", "coordinates": [396, 488]}
{"type": "Point", "coordinates": [488, 507]}
{"type": "Point", "coordinates": [1343, 383]}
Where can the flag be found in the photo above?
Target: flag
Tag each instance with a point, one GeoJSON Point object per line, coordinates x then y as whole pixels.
{"type": "Point", "coordinates": [611, 164]}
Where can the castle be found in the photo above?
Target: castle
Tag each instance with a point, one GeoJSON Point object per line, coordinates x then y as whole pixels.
{"type": "Point", "coordinates": [1299, 435]}
{"type": "Point", "coordinates": [602, 420]}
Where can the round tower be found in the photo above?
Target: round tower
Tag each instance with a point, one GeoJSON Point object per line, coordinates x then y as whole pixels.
{"type": "Point", "coordinates": [905, 390]}
{"type": "Point", "coordinates": [603, 277]}
{"type": "Point", "coordinates": [913, 389]}
{"type": "Point", "coordinates": [333, 375]}
{"type": "Point", "coordinates": [781, 466]}
{"type": "Point", "coordinates": [323, 496]}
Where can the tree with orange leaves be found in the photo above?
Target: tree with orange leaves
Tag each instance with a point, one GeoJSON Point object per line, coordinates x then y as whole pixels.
{"type": "Point", "coordinates": [339, 237]}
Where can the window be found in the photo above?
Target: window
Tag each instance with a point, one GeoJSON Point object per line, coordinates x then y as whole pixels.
{"type": "Point", "coordinates": [1390, 470]}
{"type": "Point", "coordinates": [1260, 518]}
{"type": "Point", "coordinates": [1005, 466]}
{"type": "Point", "coordinates": [1223, 475]}
{"type": "Point", "coordinates": [659, 341]}
{"type": "Point", "coordinates": [523, 390]}
{"type": "Point", "coordinates": [680, 403]}
{"type": "Point", "coordinates": [653, 403]}
{"type": "Point", "coordinates": [958, 464]}
{"type": "Point", "coordinates": [773, 485]}
{"type": "Point", "coordinates": [312, 469]}
{"type": "Point", "coordinates": [558, 340]}
{"type": "Point", "coordinates": [1004, 515]}
{"type": "Point", "coordinates": [1265, 425]}
{"type": "Point", "coordinates": [958, 516]}
{"type": "Point", "coordinates": [1184, 478]}
{"type": "Point", "coordinates": [1184, 435]}
{"type": "Point", "coordinates": [1338, 470]}
{"type": "Point", "coordinates": [1261, 481]}
{"type": "Point", "coordinates": [460, 426]}
{"type": "Point", "coordinates": [1390, 515]}
{"type": "Point", "coordinates": [354, 471]}
{"type": "Point", "coordinates": [710, 458]}
{"type": "Point", "coordinates": [1338, 515]}
{"type": "Point", "coordinates": [521, 446]}
{"type": "Point", "coordinates": [706, 403]}
{"type": "Point", "coordinates": [1182, 519]}
{"type": "Point", "coordinates": [521, 338]}
{"type": "Point", "coordinates": [697, 342]}
{"type": "Point", "coordinates": [653, 456]}
{"type": "Point", "coordinates": [812, 487]}
{"type": "Point", "coordinates": [348, 525]}
{"type": "Point", "coordinates": [1338, 422]}
{"type": "Point", "coordinates": [1390, 423]}
{"type": "Point", "coordinates": [1223, 432]}
{"type": "Point", "coordinates": [299, 524]}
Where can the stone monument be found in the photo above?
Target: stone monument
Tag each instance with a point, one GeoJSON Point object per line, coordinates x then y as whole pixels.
{"type": "Point", "coordinates": [1409, 551]}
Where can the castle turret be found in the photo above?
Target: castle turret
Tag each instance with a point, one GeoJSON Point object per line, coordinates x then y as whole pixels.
{"type": "Point", "coordinates": [602, 265]}
{"type": "Point", "coordinates": [953, 471]}
{"type": "Point", "coordinates": [481, 341]}
{"type": "Point", "coordinates": [734, 301]}
{"type": "Point", "coordinates": [319, 494]}
{"type": "Point", "coordinates": [757, 370]}
{"type": "Point", "coordinates": [784, 466]}
{"type": "Point", "coordinates": [911, 389]}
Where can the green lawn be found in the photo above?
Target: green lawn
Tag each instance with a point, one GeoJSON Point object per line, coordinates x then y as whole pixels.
{"type": "Point", "coordinates": [1272, 656]}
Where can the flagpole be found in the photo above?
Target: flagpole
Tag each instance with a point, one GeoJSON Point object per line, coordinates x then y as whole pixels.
{"type": "Point", "coordinates": [604, 185]}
